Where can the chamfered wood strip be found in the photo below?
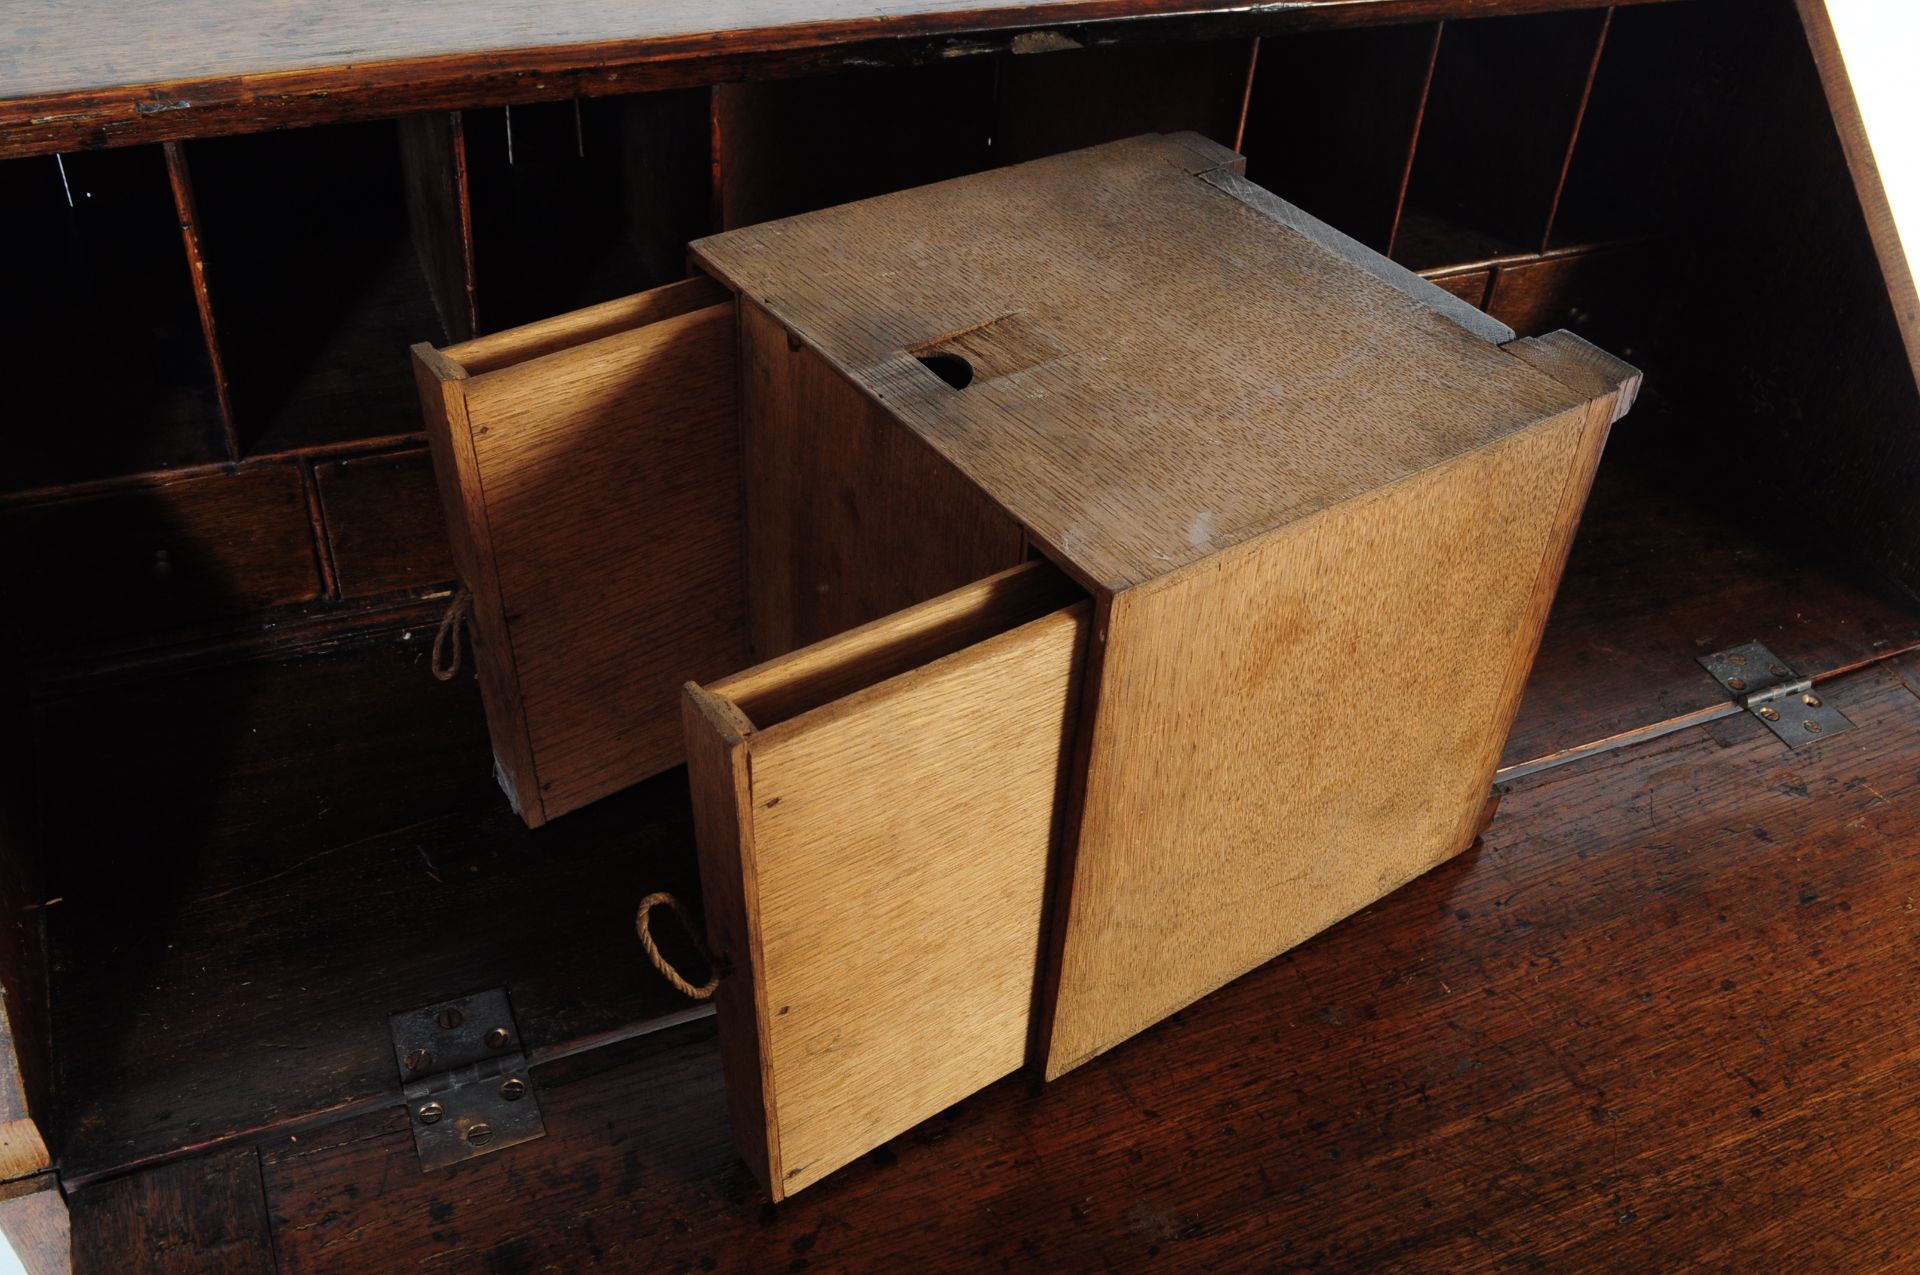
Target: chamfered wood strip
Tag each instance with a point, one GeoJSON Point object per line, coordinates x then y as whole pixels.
{"type": "Point", "coordinates": [192, 1217]}
{"type": "Point", "coordinates": [611, 609]}
{"type": "Point", "coordinates": [1337, 693]}
{"type": "Point", "coordinates": [849, 517]}
{"type": "Point", "coordinates": [456, 472]}
{"type": "Point", "coordinates": [1581, 366]}
{"type": "Point", "coordinates": [1424, 291]}
{"type": "Point", "coordinates": [577, 327]}
{"type": "Point", "coordinates": [716, 735]}
{"type": "Point", "coordinates": [1190, 373]}
{"type": "Point", "coordinates": [805, 679]}
{"type": "Point", "coordinates": [900, 846]}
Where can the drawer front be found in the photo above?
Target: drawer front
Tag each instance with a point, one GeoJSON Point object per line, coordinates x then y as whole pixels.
{"type": "Point", "coordinates": [874, 872]}
{"type": "Point", "coordinates": [589, 469]}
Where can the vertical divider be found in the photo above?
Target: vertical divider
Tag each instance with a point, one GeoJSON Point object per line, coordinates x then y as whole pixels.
{"type": "Point", "coordinates": [1573, 136]}
{"type": "Point", "coordinates": [1413, 136]}
{"type": "Point", "coordinates": [433, 155]}
{"type": "Point", "coordinates": [180, 179]}
{"type": "Point", "coordinates": [1246, 94]}
{"type": "Point", "coordinates": [322, 538]}
{"type": "Point", "coordinates": [716, 159]}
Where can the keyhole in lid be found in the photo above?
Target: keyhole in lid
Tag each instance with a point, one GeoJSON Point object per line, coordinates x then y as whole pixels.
{"type": "Point", "coordinates": [951, 368]}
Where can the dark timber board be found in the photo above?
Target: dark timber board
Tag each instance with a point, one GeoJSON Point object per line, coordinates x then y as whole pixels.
{"type": "Point", "coordinates": [87, 73]}
{"type": "Point", "coordinates": [1654, 1022]}
{"type": "Point", "coordinates": [257, 864]}
{"type": "Point", "coordinates": [1664, 569]}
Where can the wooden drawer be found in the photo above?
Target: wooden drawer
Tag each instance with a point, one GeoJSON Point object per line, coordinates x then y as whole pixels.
{"type": "Point", "coordinates": [877, 815]}
{"type": "Point", "coordinates": [589, 470]}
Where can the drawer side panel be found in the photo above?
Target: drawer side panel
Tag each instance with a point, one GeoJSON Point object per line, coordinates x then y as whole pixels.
{"type": "Point", "coordinates": [1288, 733]}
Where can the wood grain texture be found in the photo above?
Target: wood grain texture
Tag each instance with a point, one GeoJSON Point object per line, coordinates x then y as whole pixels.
{"type": "Point", "coordinates": [896, 844]}
{"type": "Point", "coordinates": [1337, 694]}
{"type": "Point", "coordinates": [596, 619]}
{"type": "Point", "coordinates": [81, 72]}
{"type": "Point", "coordinates": [1141, 421]}
{"type": "Point", "coordinates": [848, 516]}
{"type": "Point", "coordinates": [35, 1227]}
{"type": "Point", "coordinates": [193, 1217]}
{"type": "Point", "coordinates": [1653, 1024]}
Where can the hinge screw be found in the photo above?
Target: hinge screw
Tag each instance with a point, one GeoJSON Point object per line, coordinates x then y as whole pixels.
{"type": "Point", "coordinates": [497, 1038]}
{"type": "Point", "coordinates": [513, 1089]}
{"type": "Point", "coordinates": [1736, 658]}
{"type": "Point", "coordinates": [450, 1018]}
{"type": "Point", "coordinates": [1771, 714]}
{"type": "Point", "coordinates": [1813, 727]}
{"type": "Point", "coordinates": [1810, 700]}
{"type": "Point", "coordinates": [1779, 670]}
{"type": "Point", "coordinates": [480, 1135]}
{"type": "Point", "coordinates": [418, 1060]}
{"type": "Point", "coordinates": [430, 1112]}
{"type": "Point", "coordinates": [1737, 684]}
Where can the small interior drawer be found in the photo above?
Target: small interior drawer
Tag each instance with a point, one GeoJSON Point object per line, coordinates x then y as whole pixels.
{"type": "Point", "coordinates": [876, 816]}
{"type": "Point", "coordinates": [585, 625]}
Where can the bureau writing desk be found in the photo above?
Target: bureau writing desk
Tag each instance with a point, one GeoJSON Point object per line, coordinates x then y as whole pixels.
{"type": "Point", "coordinates": [1119, 542]}
{"type": "Point", "coordinates": [1656, 1019]}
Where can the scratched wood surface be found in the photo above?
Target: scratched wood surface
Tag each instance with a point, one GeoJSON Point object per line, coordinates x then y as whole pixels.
{"type": "Point", "coordinates": [892, 850]}
{"type": "Point", "coordinates": [1292, 729]}
{"type": "Point", "coordinates": [88, 73]}
{"type": "Point", "coordinates": [1655, 1022]}
{"type": "Point", "coordinates": [1126, 415]}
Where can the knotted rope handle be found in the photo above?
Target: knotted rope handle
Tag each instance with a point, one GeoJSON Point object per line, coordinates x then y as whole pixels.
{"type": "Point", "coordinates": [457, 612]}
{"type": "Point", "coordinates": [667, 971]}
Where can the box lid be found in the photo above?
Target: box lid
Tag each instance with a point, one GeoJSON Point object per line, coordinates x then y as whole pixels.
{"type": "Point", "coordinates": [1143, 357]}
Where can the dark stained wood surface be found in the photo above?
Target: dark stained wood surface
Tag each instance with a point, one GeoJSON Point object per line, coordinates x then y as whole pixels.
{"type": "Point", "coordinates": [292, 851]}
{"type": "Point", "coordinates": [194, 1217]}
{"type": "Point", "coordinates": [80, 73]}
{"type": "Point", "coordinates": [384, 524]}
{"type": "Point", "coordinates": [137, 563]}
{"type": "Point", "coordinates": [1662, 571]}
{"type": "Point", "coordinates": [1654, 1022]}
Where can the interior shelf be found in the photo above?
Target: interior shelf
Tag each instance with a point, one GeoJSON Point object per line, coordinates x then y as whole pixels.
{"type": "Point", "coordinates": [100, 342]}
{"type": "Point", "coordinates": [1500, 115]}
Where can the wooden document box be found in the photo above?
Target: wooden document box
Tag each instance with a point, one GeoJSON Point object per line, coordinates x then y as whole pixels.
{"type": "Point", "coordinates": [1142, 577]}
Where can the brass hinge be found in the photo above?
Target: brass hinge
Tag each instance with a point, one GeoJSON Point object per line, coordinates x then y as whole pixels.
{"type": "Point", "coordinates": [1785, 702]}
{"type": "Point", "coordinates": [465, 1078]}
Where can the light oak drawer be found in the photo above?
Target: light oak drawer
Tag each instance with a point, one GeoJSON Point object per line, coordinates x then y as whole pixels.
{"type": "Point", "coordinates": [877, 814]}
{"type": "Point", "coordinates": [589, 467]}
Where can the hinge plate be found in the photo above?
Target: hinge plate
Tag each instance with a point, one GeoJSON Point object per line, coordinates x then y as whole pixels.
{"type": "Point", "coordinates": [1768, 688]}
{"type": "Point", "coordinates": [465, 1078]}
